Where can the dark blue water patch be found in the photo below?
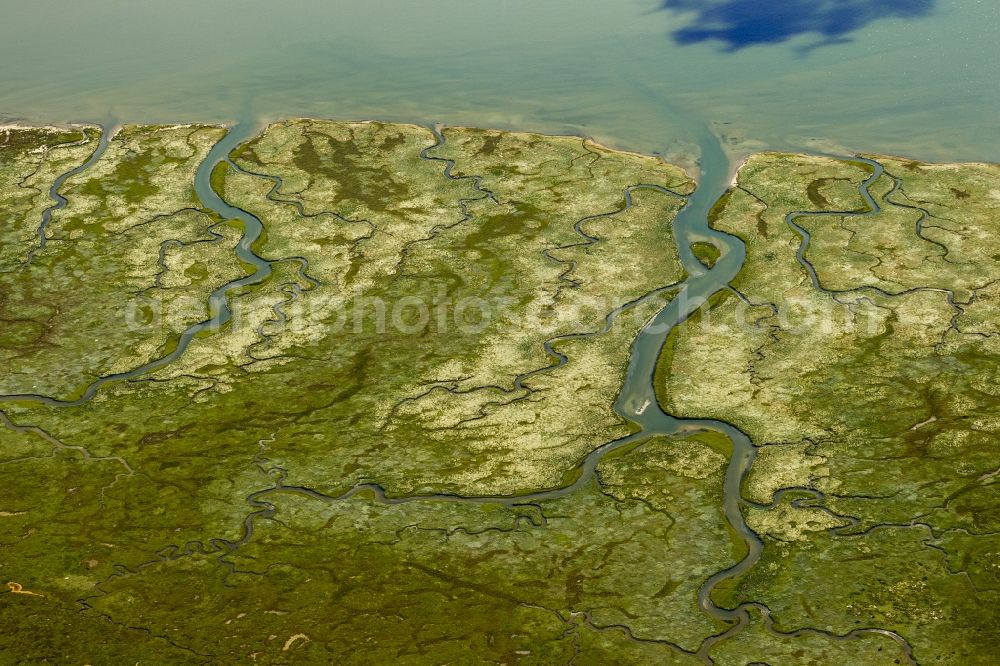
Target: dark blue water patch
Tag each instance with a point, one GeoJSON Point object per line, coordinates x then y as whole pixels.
{"type": "Point", "coordinates": [737, 24]}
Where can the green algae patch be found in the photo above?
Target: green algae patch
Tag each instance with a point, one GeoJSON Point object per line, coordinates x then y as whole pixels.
{"type": "Point", "coordinates": [217, 179]}
{"type": "Point", "coordinates": [706, 253]}
{"type": "Point", "coordinates": [431, 578]}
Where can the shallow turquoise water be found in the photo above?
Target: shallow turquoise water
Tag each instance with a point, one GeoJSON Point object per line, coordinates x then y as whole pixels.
{"type": "Point", "coordinates": [926, 86]}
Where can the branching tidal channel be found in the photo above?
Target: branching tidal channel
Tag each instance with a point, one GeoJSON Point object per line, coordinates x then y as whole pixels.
{"type": "Point", "coordinates": [637, 401]}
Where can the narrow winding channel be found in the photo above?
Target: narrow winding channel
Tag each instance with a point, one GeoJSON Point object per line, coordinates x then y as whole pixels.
{"type": "Point", "coordinates": [107, 131]}
{"type": "Point", "coordinates": [218, 301]}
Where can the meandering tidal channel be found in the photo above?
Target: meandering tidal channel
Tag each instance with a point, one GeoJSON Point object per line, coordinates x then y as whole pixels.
{"type": "Point", "coordinates": [637, 401]}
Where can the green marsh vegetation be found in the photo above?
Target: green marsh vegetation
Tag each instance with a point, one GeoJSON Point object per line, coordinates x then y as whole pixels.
{"type": "Point", "coordinates": [204, 512]}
